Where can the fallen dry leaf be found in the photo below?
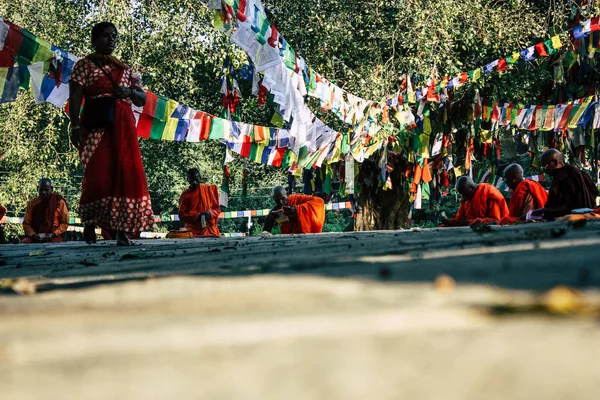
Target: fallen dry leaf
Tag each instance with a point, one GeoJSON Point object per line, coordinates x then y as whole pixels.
{"type": "Point", "coordinates": [563, 300]}
{"type": "Point", "coordinates": [444, 284]}
{"type": "Point", "coordinates": [38, 253]}
{"type": "Point", "coordinates": [24, 286]}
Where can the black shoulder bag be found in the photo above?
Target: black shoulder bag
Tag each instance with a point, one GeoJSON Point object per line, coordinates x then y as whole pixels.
{"type": "Point", "coordinates": [99, 113]}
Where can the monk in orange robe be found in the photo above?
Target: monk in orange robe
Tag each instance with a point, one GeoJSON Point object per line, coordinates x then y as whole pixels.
{"type": "Point", "coordinates": [527, 195]}
{"type": "Point", "coordinates": [47, 216]}
{"type": "Point", "coordinates": [296, 213]}
{"type": "Point", "coordinates": [480, 202]}
{"type": "Point", "coordinates": [199, 207]}
{"type": "Point", "coordinates": [2, 237]}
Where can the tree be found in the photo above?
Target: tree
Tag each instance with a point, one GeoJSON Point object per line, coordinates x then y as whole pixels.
{"type": "Point", "coordinates": [367, 46]}
{"type": "Point", "coordinates": [363, 46]}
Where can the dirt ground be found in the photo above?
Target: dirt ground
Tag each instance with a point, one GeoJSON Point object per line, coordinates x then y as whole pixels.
{"type": "Point", "coordinates": [513, 313]}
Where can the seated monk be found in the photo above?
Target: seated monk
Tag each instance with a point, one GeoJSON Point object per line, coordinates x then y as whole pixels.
{"type": "Point", "coordinates": [297, 213]}
{"type": "Point", "coordinates": [571, 188]}
{"type": "Point", "coordinates": [480, 202]}
{"type": "Point", "coordinates": [47, 217]}
{"type": "Point", "coordinates": [2, 236]}
{"type": "Point", "coordinates": [199, 207]}
{"type": "Point", "coordinates": [527, 195]}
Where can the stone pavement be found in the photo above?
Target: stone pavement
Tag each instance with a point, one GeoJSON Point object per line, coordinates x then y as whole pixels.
{"type": "Point", "coordinates": [432, 314]}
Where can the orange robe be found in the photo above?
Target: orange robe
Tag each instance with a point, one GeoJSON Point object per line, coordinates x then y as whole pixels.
{"type": "Point", "coordinates": [192, 203]}
{"type": "Point", "coordinates": [528, 195]}
{"type": "Point", "coordinates": [311, 214]}
{"type": "Point", "coordinates": [57, 223]}
{"type": "Point", "coordinates": [487, 205]}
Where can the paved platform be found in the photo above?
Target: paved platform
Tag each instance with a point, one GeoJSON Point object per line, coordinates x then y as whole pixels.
{"type": "Point", "coordinates": [435, 314]}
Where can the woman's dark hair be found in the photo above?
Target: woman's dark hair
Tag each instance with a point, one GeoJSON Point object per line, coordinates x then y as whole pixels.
{"type": "Point", "coordinates": [99, 28]}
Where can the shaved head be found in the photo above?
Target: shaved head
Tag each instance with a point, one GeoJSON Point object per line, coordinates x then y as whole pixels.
{"type": "Point", "coordinates": [513, 175]}
{"type": "Point", "coordinates": [280, 196]}
{"type": "Point", "coordinates": [551, 154]}
{"type": "Point", "coordinates": [466, 186]}
{"type": "Point", "coordinates": [45, 188]}
{"type": "Point", "coordinates": [45, 181]}
{"type": "Point", "coordinates": [193, 178]}
{"type": "Point", "coordinates": [552, 160]}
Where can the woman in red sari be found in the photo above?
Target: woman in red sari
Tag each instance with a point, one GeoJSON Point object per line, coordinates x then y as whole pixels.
{"type": "Point", "coordinates": [114, 192]}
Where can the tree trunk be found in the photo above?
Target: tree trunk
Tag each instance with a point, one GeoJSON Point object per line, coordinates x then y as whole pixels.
{"type": "Point", "coordinates": [382, 209]}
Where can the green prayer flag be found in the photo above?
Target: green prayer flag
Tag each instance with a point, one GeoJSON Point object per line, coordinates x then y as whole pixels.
{"type": "Point", "coordinates": [549, 47]}
{"type": "Point", "coordinates": [277, 120]}
{"type": "Point", "coordinates": [253, 151]}
{"type": "Point", "coordinates": [29, 47]}
{"type": "Point", "coordinates": [219, 129]}
{"type": "Point", "coordinates": [160, 118]}
{"type": "Point", "coordinates": [312, 84]}
{"type": "Point", "coordinates": [289, 57]}
{"type": "Point", "coordinates": [570, 59]}
{"type": "Point", "coordinates": [327, 184]}
{"type": "Point", "coordinates": [425, 191]}
{"type": "Point", "coordinates": [44, 52]}
{"type": "Point", "coordinates": [345, 145]}
{"type": "Point", "coordinates": [285, 164]}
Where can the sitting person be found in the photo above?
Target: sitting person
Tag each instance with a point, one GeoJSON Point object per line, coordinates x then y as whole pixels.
{"type": "Point", "coordinates": [480, 202]}
{"type": "Point", "coordinates": [2, 236]}
{"type": "Point", "coordinates": [47, 217]}
{"type": "Point", "coordinates": [527, 195]}
{"type": "Point", "coordinates": [571, 188]}
{"type": "Point", "coordinates": [199, 207]}
{"type": "Point", "coordinates": [296, 213]}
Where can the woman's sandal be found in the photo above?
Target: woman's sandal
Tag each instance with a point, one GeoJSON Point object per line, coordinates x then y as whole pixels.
{"type": "Point", "coordinates": [89, 234]}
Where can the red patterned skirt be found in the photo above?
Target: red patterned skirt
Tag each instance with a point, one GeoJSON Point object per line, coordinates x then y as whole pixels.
{"type": "Point", "coordinates": [114, 189]}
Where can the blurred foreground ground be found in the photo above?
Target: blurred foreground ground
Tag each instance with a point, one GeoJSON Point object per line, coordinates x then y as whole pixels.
{"type": "Point", "coordinates": [433, 314]}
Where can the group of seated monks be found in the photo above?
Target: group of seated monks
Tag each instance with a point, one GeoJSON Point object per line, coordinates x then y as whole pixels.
{"type": "Point", "coordinates": [571, 189]}
{"type": "Point", "coordinates": [47, 217]}
{"type": "Point", "coordinates": [199, 209]}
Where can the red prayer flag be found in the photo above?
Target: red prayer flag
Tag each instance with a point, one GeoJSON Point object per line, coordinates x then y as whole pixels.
{"type": "Point", "coordinates": [562, 125]}
{"type": "Point", "coordinates": [594, 24]}
{"type": "Point", "coordinates": [463, 78]}
{"type": "Point", "coordinates": [279, 155]}
{"type": "Point", "coordinates": [205, 125]}
{"type": "Point", "coordinates": [12, 44]}
{"type": "Point", "coordinates": [144, 125]}
{"type": "Point", "coordinates": [246, 145]}
{"type": "Point", "coordinates": [502, 64]}
{"type": "Point", "coordinates": [541, 49]}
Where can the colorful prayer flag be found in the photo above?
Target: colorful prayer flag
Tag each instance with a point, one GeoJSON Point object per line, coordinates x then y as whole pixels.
{"type": "Point", "coordinates": [146, 118]}
{"type": "Point", "coordinates": [160, 118]}
{"type": "Point", "coordinates": [220, 129]}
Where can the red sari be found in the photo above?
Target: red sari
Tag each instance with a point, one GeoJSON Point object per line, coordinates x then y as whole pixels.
{"type": "Point", "coordinates": [114, 189]}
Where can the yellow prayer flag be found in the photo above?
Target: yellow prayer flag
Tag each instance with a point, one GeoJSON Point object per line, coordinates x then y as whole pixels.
{"type": "Point", "coordinates": [574, 118]}
{"type": "Point", "coordinates": [486, 136]}
{"type": "Point", "coordinates": [476, 74]}
{"type": "Point", "coordinates": [171, 106]}
{"type": "Point", "coordinates": [556, 42]}
{"type": "Point", "coordinates": [44, 52]}
{"type": "Point", "coordinates": [170, 128]}
{"type": "Point", "coordinates": [3, 73]}
{"type": "Point", "coordinates": [412, 98]}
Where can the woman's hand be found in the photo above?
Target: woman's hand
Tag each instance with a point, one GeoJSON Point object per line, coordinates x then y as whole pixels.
{"type": "Point", "coordinates": [123, 92]}
{"type": "Point", "coordinates": [76, 136]}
